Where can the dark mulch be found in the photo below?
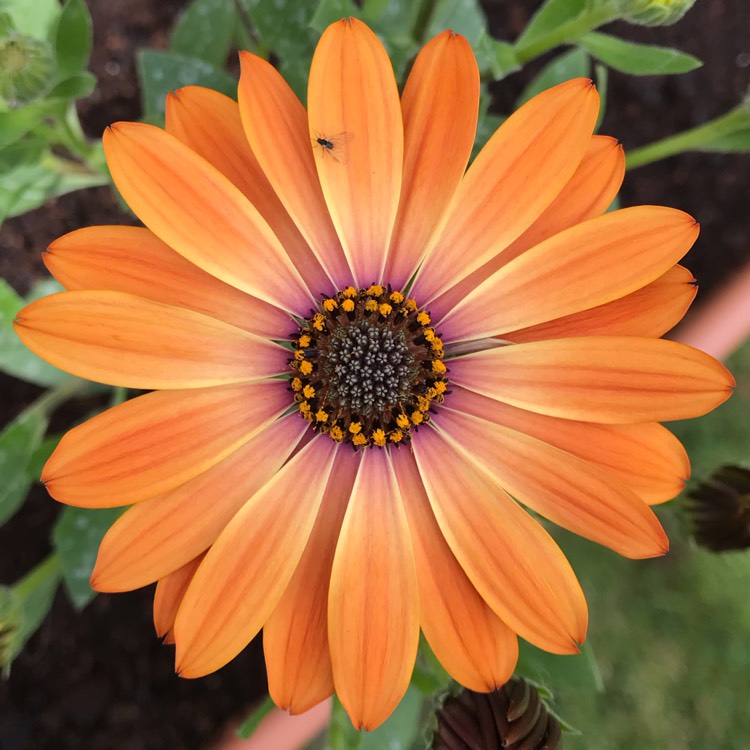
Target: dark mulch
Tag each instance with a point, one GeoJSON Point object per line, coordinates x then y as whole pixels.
{"type": "Point", "coordinates": [100, 680]}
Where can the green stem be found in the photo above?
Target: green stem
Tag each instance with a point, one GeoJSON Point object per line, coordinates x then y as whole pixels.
{"type": "Point", "coordinates": [39, 575]}
{"type": "Point", "coordinates": [65, 131]}
{"type": "Point", "coordinates": [52, 398]}
{"type": "Point", "coordinates": [566, 33]}
{"type": "Point", "coordinates": [690, 140]}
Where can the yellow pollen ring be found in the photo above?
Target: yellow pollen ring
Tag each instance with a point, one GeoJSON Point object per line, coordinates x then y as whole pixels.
{"type": "Point", "coordinates": [385, 309]}
{"type": "Point", "coordinates": [317, 391]}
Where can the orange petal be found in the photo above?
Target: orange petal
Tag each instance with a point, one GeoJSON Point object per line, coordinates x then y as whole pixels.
{"type": "Point", "coordinates": [373, 607]}
{"type": "Point", "coordinates": [168, 597]}
{"type": "Point", "coordinates": [275, 124]}
{"type": "Point", "coordinates": [512, 561]}
{"type": "Point", "coordinates": [587, 265]}
{"type": "Point", "coordinates": [120, 339]}
{"type": "Point", "coordinates": [209, 123]}
{"type": "Point", "coordinates": [440, 105]}
{"type": "Point", "coordinates": [353, 102]}
{"type": "Point", "coordinates": [516, 176]}
{"type": "Point", "coordinates": [473, 644]}
{"type": "Point", "coordinates": [156, 442]}
{"type": "Point", "coordinates": [589, 192]}
{"type": "Point", "coordinates": [190, 205]}
{"type": "Point", "coordinates": [650, 311]}
{"type": "Point", "coordinates": [157, 536]}
{"type": "Point", "coordinates": [247, 569]}
{"type": "Point", "coordinates": [565, 489]}
{"type": "Point", "coordinates": [295, 638]}
{"type": "Point", "coordinates": [609, 379]}
{"type": "Point", "coordinates": [135, 261]}
{"type": "Point", "coordinates": [647, 458]}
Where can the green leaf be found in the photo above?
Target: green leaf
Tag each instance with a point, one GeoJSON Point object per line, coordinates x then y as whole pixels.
{"type": "Point", "coordinates": [329, 11]}
{"type": "Point", "coordinates": [250, 724]}
{"type": "Point", "coordinates": [389, 17]}
{"type": "Point", "coordinates": [637, 59]}
{"type": "Point", "coordinates": [577, 671]}
{"type": "Point", "coordinates": [601, 76]}
{"type": "Point", "coordinates": [43, 288]}
{"type": "Point", "coordinates": [76, 87]}
{"type": "Point", "coordinates": [341, 734]}
{"type": "Point", "coordinates": [465, 17]}
{"type": "Point", "coordinates": [394, 23]}
{"type": "Point", "coordinates": [18, 442]}
{"type": "Point", "coordinates": [429, 676]}
{"type": "Point", "coordinates": [38, 22]}
{"type": "Point", "coordinates": [76, 538]}
{"type": "Point", "coordinates": [24, 606]}
{"type": "Point", "coordinates": [162, 72]}
{"type": "Point", "coordinates": [40, 456]}
{"type": "Point", "coordinates": [548, 18]}
{"type": "Point", "coordinates": [6, 24]}
{"type": "Point", "coordinates": [27, 150]}
{"type": "Point", "coordinates": [15, 358]}
{"type": "Point", "coordinates": [292, 42]}
{"type": "Point", "coordinates": [73, 39]}
{"type": "Point", "coordinates": [398, 732]}
{"type": "Point", "coordinates": [499, 58]}
{"type": "Point", "coordinates": [28, 187]}
{"type": "Point", "coordinates": [17, 122]}
{"type": "Point", "coordinates": [487, 123]}
{"type": "Point", "coordinates": [572, 64]}
{"type": "Point", "coordinates": [204, 30]}
{"type": "Point", "coordinates": [11, 626]}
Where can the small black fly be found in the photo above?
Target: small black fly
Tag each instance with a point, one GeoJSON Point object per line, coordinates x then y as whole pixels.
{"type": "Point", "coordinates": [333, 145]}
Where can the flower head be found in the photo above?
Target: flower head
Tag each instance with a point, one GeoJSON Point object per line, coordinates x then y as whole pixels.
{"type": "Point", "coordinates": [363, 358]}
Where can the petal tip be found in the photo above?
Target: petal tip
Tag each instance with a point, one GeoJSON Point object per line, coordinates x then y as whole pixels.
{"type": "Point", "coordinates": [246, 58]}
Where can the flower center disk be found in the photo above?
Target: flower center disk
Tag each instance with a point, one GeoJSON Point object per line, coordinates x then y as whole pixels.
{"type": "Point", "coordinates": [367, 367]}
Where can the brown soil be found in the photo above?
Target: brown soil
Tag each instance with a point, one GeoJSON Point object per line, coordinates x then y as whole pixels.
{"type": "Point", "coordinates": [100, 680]}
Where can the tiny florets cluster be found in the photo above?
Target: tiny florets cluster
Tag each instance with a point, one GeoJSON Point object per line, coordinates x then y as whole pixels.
{"type": "Point", "coordinates": [367, 367]}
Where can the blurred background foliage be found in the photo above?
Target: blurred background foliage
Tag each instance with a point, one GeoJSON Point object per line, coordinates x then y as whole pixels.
{"type": "Point", "coordinates": [667, 663]}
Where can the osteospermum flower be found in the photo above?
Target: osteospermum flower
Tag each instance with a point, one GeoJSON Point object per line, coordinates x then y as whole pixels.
{"type": "Point", "coordinates": [364, 360]}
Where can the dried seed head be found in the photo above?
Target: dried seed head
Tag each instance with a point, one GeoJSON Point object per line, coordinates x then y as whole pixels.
{"type": "Point", "coordinates": [719, 510]}
{"type": "Point", "coordinates": [511, 718]}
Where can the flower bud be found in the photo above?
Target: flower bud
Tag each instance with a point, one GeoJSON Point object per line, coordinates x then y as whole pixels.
{"type": "Point", "coordinates": [26, 66]}
{"type": "Point", "coordinates": [719, 509]}
{"type": "Point", "coordinates": [512, 717]}
{"type": "Point", "coordinates": [654, 12]}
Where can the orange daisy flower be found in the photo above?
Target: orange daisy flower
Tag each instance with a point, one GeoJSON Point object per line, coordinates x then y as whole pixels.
{"type": "Point", "coordinates": [364, 359]}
